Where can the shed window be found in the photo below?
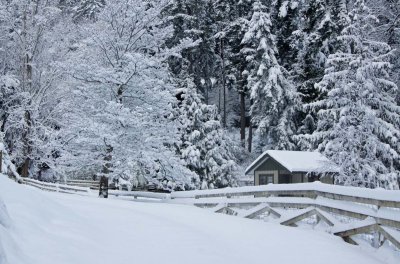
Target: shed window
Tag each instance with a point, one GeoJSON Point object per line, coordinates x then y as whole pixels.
{"type": "Point", "coordinates": [266, 179]}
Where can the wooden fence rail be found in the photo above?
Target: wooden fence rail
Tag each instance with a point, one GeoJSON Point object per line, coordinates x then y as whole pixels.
{"type": "Point", "coordinates": [56, 187]}
{"type": "Point", "coordinates": [375, 212]}
{"type": "Point", "coordinates": [368, 211]}
{"type": "Point", "coordinates": [380, 198]}
{"type": "Point", "coordinates": [139, 194]}
{"type": "Point", "coordinates": [94, 185]}
{"type": "Point", "coordinates": [86, 187]}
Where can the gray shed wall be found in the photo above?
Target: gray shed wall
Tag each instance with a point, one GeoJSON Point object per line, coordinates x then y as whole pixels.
{"type": "Point", "coordinates": [270, 164]}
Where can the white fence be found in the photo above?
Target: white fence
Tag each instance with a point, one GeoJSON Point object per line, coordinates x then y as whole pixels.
{"type": "Point", "coordinates": [348, 211]}
{"type": "Point", "coordinates": [56, 187]}
{"type": "Point", "coordinates": [94, 185]}
{"type": "Point", "coordinates": [138, 194]}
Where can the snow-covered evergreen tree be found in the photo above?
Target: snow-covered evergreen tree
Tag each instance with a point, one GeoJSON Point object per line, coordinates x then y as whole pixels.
{"type": "Point", "coordinates": [88, 9]}
{"type": "Point", "coordinates": [286, 23]}
{"type": "Point", "coordinates": [359, 121]}
{"type": "Point", "coordinates": [205, 148]}
{"type": "Point", "coordinates": [274, 98]}
{"type": "Point", "coordinates": [82, 81]}
{"type": "Point", "coordinates": [388, 13]}
{"type": "Point", "coordinates": [232, 18]}
{"type": "Point", "coordinates": [323, 21]}
{"type": "Point", "coordinates": [197, 21]}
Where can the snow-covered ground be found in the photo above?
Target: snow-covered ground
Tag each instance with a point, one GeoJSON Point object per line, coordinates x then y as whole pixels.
{"type": "Point", "coordinates": [61, 228]}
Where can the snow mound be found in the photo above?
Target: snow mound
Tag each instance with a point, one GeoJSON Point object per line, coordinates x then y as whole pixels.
{"type": "Point", "coordinates": [62, 228]}
{"type": "Point", "coordinates": [5, 224]}
{"type": "Point", "coordinates": [5, 220]}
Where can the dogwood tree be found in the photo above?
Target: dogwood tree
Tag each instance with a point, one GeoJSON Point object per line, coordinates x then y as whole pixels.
{"type": "Point", "coordinates": [31, 49]}
{"type": "Point", "coordinates": [122, 115]}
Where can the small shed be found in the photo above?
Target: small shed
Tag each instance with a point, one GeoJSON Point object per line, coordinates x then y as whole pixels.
{"type": "Point", "coordinates": [280, 166]}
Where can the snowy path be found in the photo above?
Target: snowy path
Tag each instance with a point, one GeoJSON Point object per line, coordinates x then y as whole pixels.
{"type": "Point", "coordinates": [61, 228]}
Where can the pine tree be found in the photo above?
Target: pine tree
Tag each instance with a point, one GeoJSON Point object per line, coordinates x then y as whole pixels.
{"type": "Point", "coordinates": [388, 12]}
{"type": "Point", "coordinates": [181, 21]}
{"type": "Point", "coordinates": [286, 23]}
{"type": "Point", "coordinates": [205, 148]}
{"type": "Point", "coordinates": [196, 19]}
{"type": "Point", "coordinates": [359, 121]}
{"type": "Point", "coordinates": [322, 23]}
{"type": "Point", "coordinates": [273, 95]}
{"type": "Point", "coordinates": [88, 9]}
{"type": "Point", "coordinates": [232, 24]}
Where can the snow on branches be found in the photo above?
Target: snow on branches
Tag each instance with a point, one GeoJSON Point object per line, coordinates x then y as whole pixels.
{"type": "Point", "coordinates": [358, 119]}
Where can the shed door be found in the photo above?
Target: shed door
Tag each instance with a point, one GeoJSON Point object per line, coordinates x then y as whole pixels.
{"type": "Point", "coordinates": [266, 179]}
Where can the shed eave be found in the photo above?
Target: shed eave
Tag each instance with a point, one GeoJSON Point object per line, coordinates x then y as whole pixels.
{"type": "Point", "coordinates": [311, 171]}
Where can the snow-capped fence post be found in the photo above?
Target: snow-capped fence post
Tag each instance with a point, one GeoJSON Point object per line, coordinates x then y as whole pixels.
{"type": "Point", "coordinates": [376, 240]}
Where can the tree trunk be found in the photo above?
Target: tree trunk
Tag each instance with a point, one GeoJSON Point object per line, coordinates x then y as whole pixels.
{"type": "Point", "coordinates": [25, 168]}
{"type": "Point", "coordinates": [120, 92]}
{"type": "Point", "coordinates": [242, 119]}
{"type": "Point", "coordinates": [1, 161]}
{"type": "Point", "coordinates": [250, 130]}
{"type": "Point", "coordinates": [207, 88]}
{"type": "Point", "coordinates": [219, 101]}
{"type": "Point", "coordinates": [24, 49]}
{"type": "Point", "coordinates": [26, 85]}
{"type": "Point", "coordinates": [223, 83]}
{"type": "Point", "coordinates": [250, 137]}
{"type": "Point", "coordinates": [27, 149]}
{"type": "Point", "coordinates": [103, 187]}
{"type": "Point", "coordinates": [108, 157]}
{"type": "Point", "coordinates": [28, 68]}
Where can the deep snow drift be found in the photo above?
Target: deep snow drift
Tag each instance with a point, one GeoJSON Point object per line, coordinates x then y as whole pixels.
{"type": "Point", "coordinates": [60, 228]}
{"type": "Point", "coordinates": [5, 224]}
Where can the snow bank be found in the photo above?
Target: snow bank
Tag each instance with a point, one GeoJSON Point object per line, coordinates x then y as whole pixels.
{"type": "Point", "coordinates": [64, 229]}
{"type": "Point", "coordinates": [5, 224]}
{"type": "Point", "coordinates": [5, 220]}
{"type": "Point", "coordinates": [8, 165]}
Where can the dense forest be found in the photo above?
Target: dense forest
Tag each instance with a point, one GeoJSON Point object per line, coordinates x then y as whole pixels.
{"type": "Point", "coordinates": [183, 94]}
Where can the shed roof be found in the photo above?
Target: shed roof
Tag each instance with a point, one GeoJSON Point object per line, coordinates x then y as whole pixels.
{"type": "Point", "coordinates": [296, 161]}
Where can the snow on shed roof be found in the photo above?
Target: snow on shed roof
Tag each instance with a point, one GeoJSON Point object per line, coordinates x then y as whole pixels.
{"type": "Point", "coordinates": [299, 161]}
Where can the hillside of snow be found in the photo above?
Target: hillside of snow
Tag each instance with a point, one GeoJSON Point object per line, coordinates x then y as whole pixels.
{"type": "Point", "coordinates": [45, 227]}
{"type": "Point", "coordinates": [8, 248]}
